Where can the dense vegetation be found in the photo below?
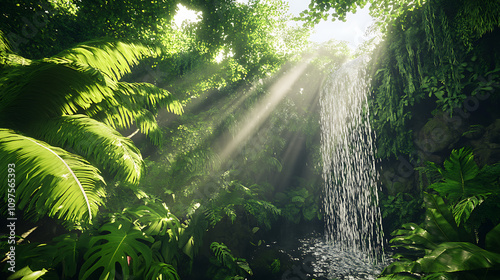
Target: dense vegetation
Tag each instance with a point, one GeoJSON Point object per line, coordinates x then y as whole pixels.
{"type": "Point", "coordinates": [138, 148]}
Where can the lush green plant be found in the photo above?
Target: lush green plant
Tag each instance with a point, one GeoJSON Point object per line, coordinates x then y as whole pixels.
{"type": "Point", "coordinates": [464, 184]}
{"type": "Point", "coordinates": [426, 59]}
{"type": "Point", "coordinates": [225, 265]}
{"type": "Point", "coordinates": [146, 241]}
{"type": "Point", "coordinates": [59, 112]}
{"type": "Point", "coordinates": [234, 195]}
{"type": "Point", "coordinates": [441, 248]}
{"type": "Point", "coordinates": [399, 209]}
{"type": "Point", "coordinates": [115, 247]}
{"type": "Point", "coordinates": [447, 244]}
{"type": "Point", "coordinates": [301, 204]}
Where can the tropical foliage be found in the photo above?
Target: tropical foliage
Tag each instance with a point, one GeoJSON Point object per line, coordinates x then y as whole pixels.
{"type": "Point", "coordinates": [162, 145]}
{"type": "Point", "coordinates": [439, 248]}
{"type": "Point", "coordinates": [58, 115]}
{"type": "Point", "coordinates": [448, 244]}
{"type": "Point", "coordinates": [227, 266]}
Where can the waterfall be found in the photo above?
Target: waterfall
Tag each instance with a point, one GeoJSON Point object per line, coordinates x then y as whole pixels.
{"type": "Point", "coordinates": [353, 219]}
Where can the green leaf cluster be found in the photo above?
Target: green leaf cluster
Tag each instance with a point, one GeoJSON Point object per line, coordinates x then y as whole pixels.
{"type": "Point", "coordinates": [225, 265]}
{"type": "Point", "coordinates": [464, 184]}
{"type": "Point", "coordinates": [449, 243]}
{"type": "Point", "coordinates": [424, 61]}
{"type": "Point", "coordinates": [145, 241]}
{"type": "Point", "coordinates": [439, 248]}
{"type": "Point", "coordinates": [57, 120]}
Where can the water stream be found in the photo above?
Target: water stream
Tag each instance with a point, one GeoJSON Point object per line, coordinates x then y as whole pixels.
{"type": "Point", "coordinates": [353, 219]}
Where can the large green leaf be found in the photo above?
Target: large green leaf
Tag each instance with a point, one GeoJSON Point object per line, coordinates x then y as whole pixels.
{"type": "Point", "coordinates": [97, 142]}
{"type": "Point", "coordinates": [112, 58]}
{"type": "Point", "coordinates": [117, 241]}
{"type": "Point", "coordinates": [48, 179]}
{"type": "Point", "coordinates": [162, 271]}
{"type": "Point", "coordinates": [439, 221]}
{"type": "Point", "coordinates": [463, 209]}
{"type": "Point", "coordinates": [413, 237]}
{"type": "Point", "coordinates": [50, 88]}
{"type": "Point", "coordinates": [462, 177]}
{"type": "Point", "coordinates": [458, 256]}
{"type": "Point", "coordinates": [493, 239]}
{"type": "Point", "coordinates": [156, 220]}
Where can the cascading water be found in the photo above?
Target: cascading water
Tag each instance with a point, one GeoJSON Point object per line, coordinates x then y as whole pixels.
{"type": "Point", "coordinates": [353, 219]}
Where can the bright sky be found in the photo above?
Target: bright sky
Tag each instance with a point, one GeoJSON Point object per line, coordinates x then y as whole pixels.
{"type": "Point", "coordinates": [352, 30]}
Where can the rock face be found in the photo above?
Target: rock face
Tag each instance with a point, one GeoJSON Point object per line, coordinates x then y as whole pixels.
{"type": "Point", "coordinates": [434, 142]}
{"type": "Point", "coordinates": [439, 134]}
{"type": "Point", "coordinates": [485, 142]}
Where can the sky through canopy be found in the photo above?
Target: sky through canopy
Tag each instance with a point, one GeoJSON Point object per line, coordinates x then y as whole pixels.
{"type": "Point", "coordinates": [352, 31]}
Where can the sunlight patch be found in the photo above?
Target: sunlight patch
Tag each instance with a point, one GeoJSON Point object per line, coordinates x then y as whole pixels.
{"type": "Point", "coordinates": [185, 15]}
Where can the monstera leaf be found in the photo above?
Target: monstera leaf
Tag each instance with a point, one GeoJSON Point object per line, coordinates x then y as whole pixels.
{"type": "Point", "coordinates": [120, 242]}
{"type": "Point", "coordinates": [156, 219]}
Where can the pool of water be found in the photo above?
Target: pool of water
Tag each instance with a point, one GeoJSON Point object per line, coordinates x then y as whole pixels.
{"type": "Point", "coordinates": [324, 261]}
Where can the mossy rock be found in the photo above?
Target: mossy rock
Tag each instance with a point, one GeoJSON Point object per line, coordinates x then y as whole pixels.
{"type": "Point", "coordinates": [438, 134]}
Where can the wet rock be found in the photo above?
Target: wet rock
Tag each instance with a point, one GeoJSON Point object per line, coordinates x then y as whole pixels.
{"type": "Point", "coordinates": [439, 134]}
{"type": "Point", "coordinates": [398, 176]}
{"type": "Point", "coordinates": [487, 148]}
{"type": "Point", "coordinates": [493, 132]}
{"type": "Point", "coordinates": [475, 132]}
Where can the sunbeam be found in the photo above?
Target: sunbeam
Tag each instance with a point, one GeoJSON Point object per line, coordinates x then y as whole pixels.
{"type": "Point", "coordinates": [256, 116]}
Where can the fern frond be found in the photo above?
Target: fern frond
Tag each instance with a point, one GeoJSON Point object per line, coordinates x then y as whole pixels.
{"type": "Point", "coordinates": [49, 179]}
{"type": "Point", "coordinates": [4, 44]}
{"type": "Point", "coordinates": [113, 58]}
{"type": "Point", "coordinates": [95, 141]}
{"type": "Point", "coordinates": [7, 57]}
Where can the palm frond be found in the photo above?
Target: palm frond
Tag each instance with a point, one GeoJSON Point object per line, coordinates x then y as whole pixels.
{"type": "Point", "coordinates": [95, 141]}
{"type": "Point", "coordinates": [139, 103]}
{"type": "Point", "coordinates": [112, 58]}
{"type": "Point", "coordinates": [48, 179]}
{"type": "Point", "coordinates": [4, 44]}
{"type": "Point", "coordinates": [50, 88]}
{"type": "Point", "coordinates": [7, 57]}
